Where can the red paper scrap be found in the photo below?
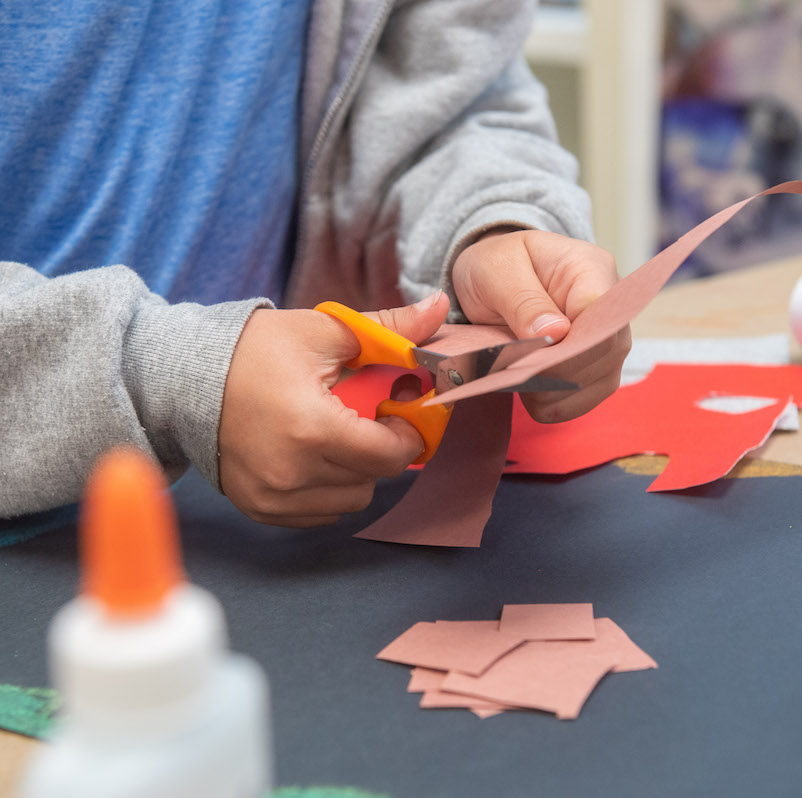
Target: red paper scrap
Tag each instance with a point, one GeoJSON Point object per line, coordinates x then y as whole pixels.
{"type": "Point", "coordinates": [549, 621]}
{"type": "Point", "coordinates": [468, 648]}
{"type": "Point", "coordinates": [450, 501]}
{"type": "Point", "coordinates": [661, 415]}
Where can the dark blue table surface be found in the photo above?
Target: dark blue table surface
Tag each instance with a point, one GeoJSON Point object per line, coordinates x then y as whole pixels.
{"type": "Point", "coordinates": [707, 581]}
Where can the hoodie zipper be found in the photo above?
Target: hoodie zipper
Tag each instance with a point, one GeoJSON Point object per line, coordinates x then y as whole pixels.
{"type": "Point", "coordinates": [339, 102]}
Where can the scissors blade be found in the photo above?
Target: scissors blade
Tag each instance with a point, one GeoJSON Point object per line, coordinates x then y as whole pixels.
{"type": "Point", "coordinates": [428, 359]}
{"type": "Point", "coordinates": [454, 370]}
{"type": "Point", "coordinates": [540, 382]}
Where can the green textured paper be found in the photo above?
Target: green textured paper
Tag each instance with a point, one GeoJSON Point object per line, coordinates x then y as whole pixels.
{"type": "Point", "coordinates": [27, 710]}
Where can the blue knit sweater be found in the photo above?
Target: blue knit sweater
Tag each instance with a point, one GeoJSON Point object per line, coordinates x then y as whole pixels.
{"type": "Point", "coordinates": [156, 133]}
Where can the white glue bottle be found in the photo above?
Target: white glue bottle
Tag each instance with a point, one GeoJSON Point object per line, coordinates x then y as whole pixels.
{"type": "Point", "coordinates": [155, 704]}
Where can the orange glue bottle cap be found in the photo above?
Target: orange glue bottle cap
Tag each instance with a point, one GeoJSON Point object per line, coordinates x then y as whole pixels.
{"type": "Point", "coordinates": [130, 548]}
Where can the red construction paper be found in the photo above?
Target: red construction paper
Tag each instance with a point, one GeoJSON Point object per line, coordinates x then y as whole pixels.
{"type": "Point", "coordinates": [466, 647]}
{"type": "Point", "coordinates": [613, 310]}
{"type": "Point", "coordinates": [660, 415]}
{"type": "Point", "coordinates": [548, 621]}
{"type": "Point", "coordinates": [450, 501]}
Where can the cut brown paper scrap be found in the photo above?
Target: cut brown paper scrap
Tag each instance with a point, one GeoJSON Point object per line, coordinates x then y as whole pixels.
{"type": "Point", "coordinates": [438, 699]}
{"type": "Point", "coordinates": [428, 681]}
{"type": "Point", "coordinates": [609, 637]}
{"type": "Point", "coordinates": [549, 621]}
{"type": "Point", "coordinates": [423, 679]}
{"type": "Point", "coordinates": [492, 625]}
{"type": "Point", "coordinates": [486, 713]}
{"type": "Point", "coordinates": [451, 499]}
{"type": "Point", "coordinates": [555, 676]}
{"type": "Point", "coordinates": [466, 647]}
{"type": "Point", "coordinates": [613, 310]}
{"type": "Point", "coordinates": [536, 676]}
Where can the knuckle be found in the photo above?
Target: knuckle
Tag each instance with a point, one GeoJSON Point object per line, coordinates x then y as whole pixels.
{"type": "Point", "coordinates": [362, 497]}
{"type": "Point", "coordinates": [386, 318]}
{"type": "Point", "coordinates": [283, 480]}
{"type": "Point", "coordinates": [623, 343]}
{"type": "Point", "coordinates": [549, 414]}
{"type": "Point", "coordinates": [306, 433]}
{"type": "Point", "coordinates": [528, 301]}
{"type": "Point", "coordinates": [604, 258]}
{"type": "Point", "coordinates": [544, 412]}
{"type": "Point", "coordinates": [393, 470]}
{"type": "Point", "coordinates": [277, 479]}
{"type": "Point", "coordinates": [609, 386]}
{"type": "Point", "coordinates": [255, 514]}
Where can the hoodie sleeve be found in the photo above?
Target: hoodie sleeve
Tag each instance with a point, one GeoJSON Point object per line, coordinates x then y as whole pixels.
{"type": "Point", "coordinates": [454, 137]}
{"type": "Point", "coordinates": [94, 359]}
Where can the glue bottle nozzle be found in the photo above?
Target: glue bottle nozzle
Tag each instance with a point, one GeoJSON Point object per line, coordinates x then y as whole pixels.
{"type": "Point", "coordinates": [130, 550]}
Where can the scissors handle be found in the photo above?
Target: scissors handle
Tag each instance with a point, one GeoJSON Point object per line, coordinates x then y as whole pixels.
{"type": "Point", "coordinates": [380, 346]}
{"type": "Point", "coordinates": [430, 426]}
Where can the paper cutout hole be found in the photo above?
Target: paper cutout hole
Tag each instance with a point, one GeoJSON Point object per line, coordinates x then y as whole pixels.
{"type": "Point", "coordinates": [734, 405]}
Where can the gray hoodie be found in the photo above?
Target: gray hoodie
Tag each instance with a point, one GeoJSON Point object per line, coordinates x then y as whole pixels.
{"type": "Point", "coordinates": [422, 128]}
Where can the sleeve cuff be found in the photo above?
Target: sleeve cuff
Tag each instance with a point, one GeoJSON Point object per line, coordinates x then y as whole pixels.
{"type": "Point", "coordinates": [175, 364]}
{"type": "Point", "coordinates": [515, 215]}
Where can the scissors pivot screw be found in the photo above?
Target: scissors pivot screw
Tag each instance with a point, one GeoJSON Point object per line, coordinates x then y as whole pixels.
{"type": "Point", "coordinates": [455, 377]}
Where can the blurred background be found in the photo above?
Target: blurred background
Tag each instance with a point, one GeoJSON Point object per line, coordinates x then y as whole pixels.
{"type": "Point", "coordinates": [676, 109]}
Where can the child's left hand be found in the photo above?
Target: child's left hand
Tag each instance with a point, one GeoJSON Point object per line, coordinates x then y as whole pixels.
{"type": "Point", "coordinates": [537, 283]}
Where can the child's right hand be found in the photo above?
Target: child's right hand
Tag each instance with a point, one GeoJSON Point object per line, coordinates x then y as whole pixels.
{"type": "Point", "coordinates": [291, 453]}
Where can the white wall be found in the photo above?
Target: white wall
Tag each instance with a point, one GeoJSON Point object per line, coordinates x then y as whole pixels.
{"type": "Point", "coordinates": [601, 64]}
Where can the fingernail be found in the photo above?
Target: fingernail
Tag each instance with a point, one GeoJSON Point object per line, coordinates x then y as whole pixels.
{"type": "Point", "coordinates": [429, 301]}
{"type": "Point", "coordinates": [541, 325]}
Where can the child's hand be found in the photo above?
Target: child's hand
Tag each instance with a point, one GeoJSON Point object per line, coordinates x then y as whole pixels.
{"type": "Point", "coordinates": [290, 452]}
{"type": "Point", "coordinates": [537, 282]}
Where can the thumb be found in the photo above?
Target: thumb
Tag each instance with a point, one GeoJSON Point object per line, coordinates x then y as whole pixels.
{"type": "Point", "coordinates": [416, 322]}
{"type": "Point", "coordinates": [529, 310]}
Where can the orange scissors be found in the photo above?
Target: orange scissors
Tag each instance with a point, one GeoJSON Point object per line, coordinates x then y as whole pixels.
{"type": "Point", "coordinates": [381, 346]}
